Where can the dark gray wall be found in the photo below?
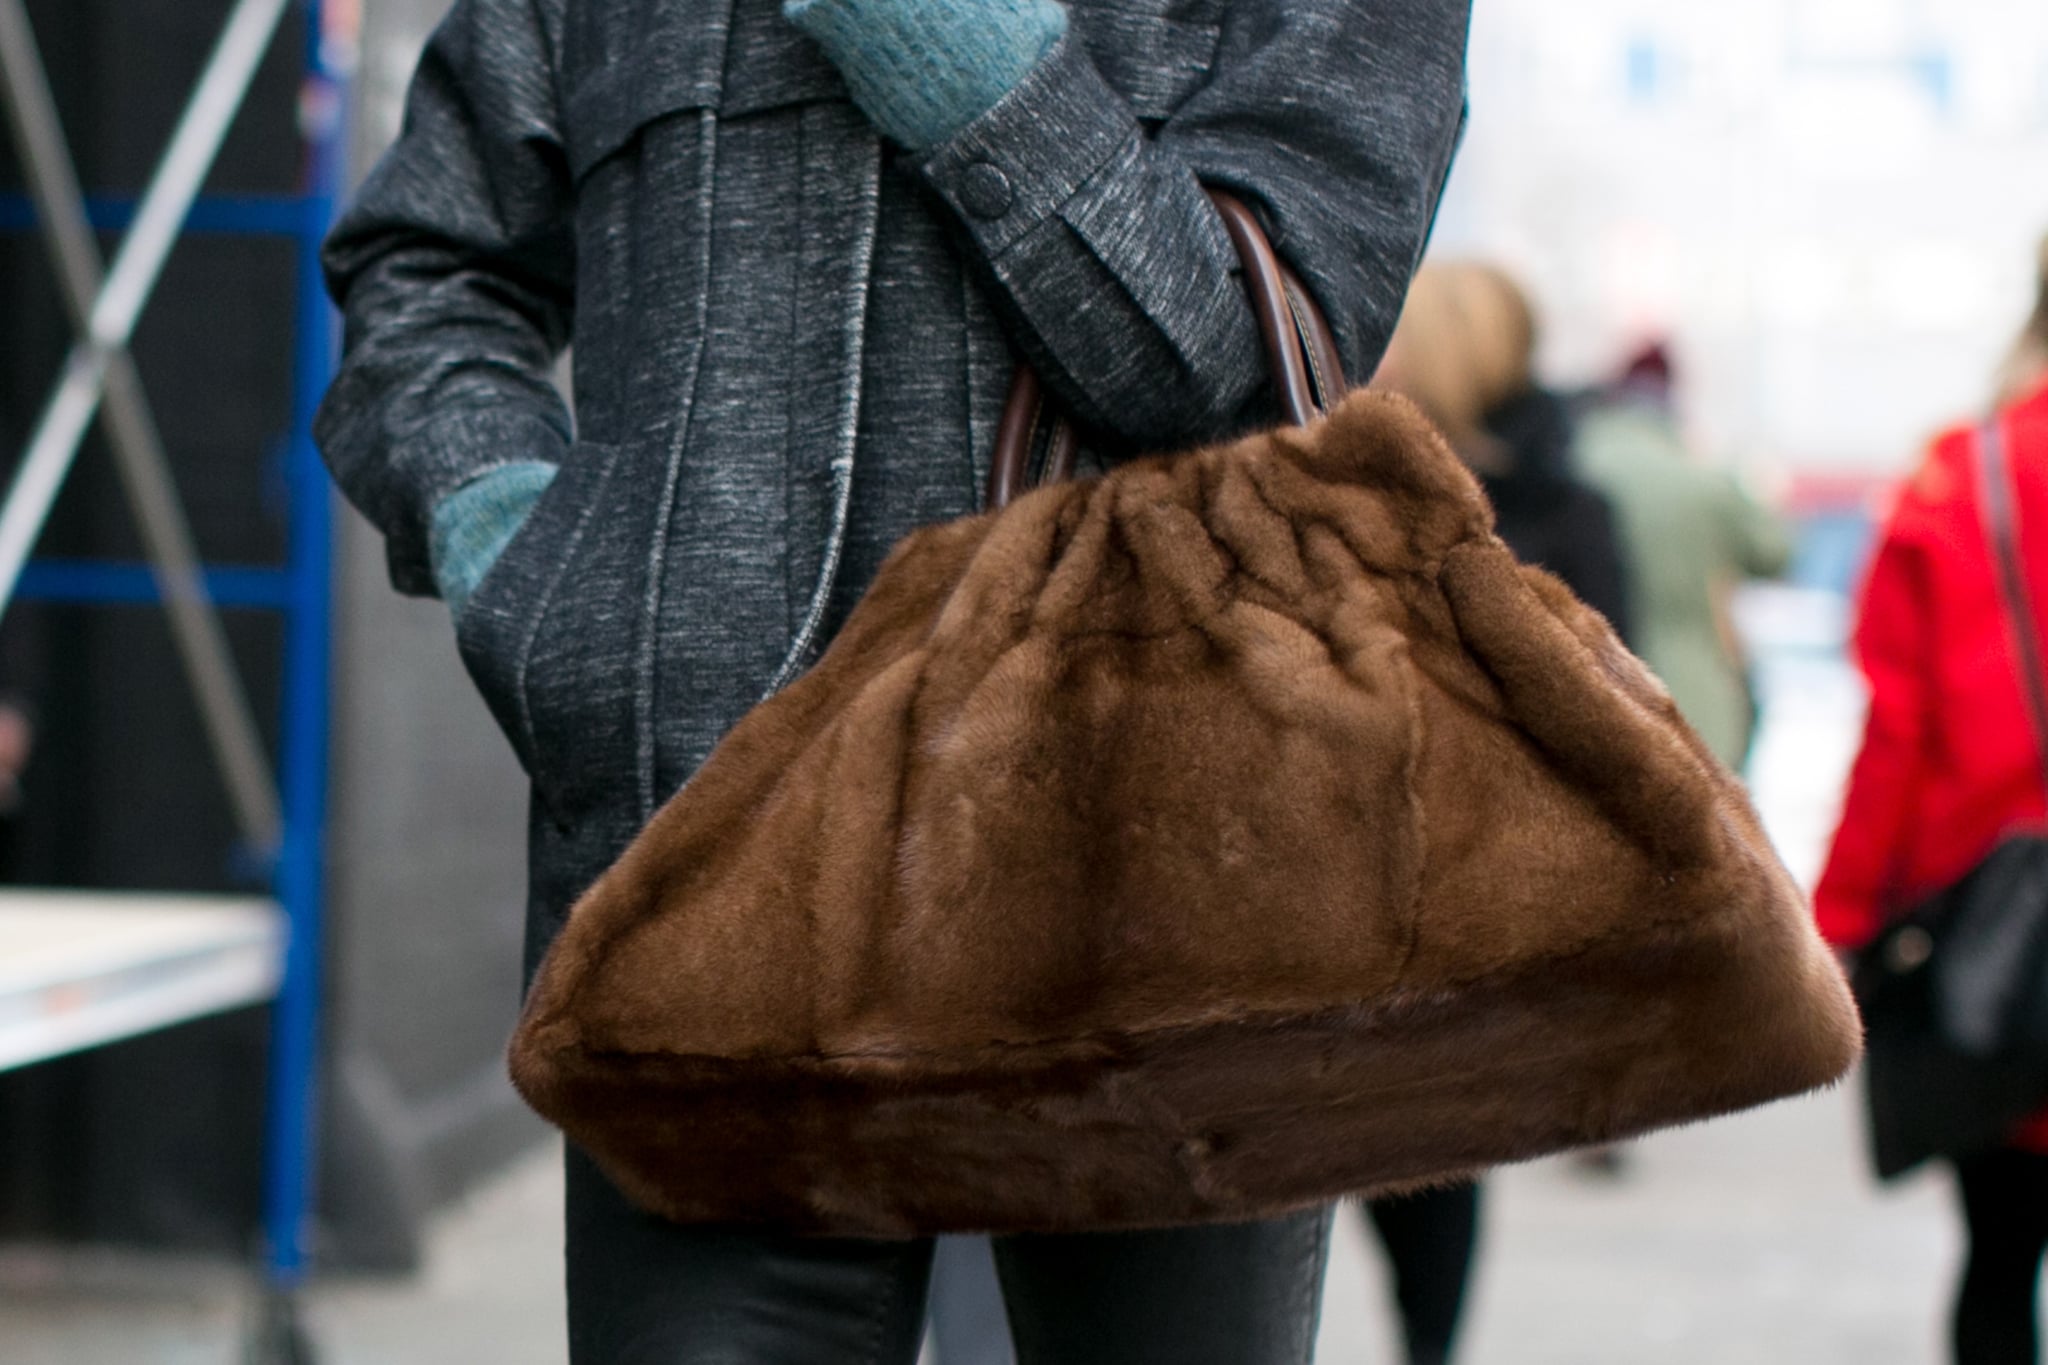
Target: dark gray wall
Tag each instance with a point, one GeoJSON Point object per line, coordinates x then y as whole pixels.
{"type": "Point", "coordinates": [428, 874]}
{"type": "Point", "coordinates": [429, 825]}
{"type": "Point", "coordinates": [428, 883]}
{"type": "Point", "coordinates": [157, 1140]}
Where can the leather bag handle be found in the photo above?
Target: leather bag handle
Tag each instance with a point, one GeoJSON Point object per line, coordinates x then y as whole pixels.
{"type": "Point", "coordinates": [1308, 375]}
{"type": "Point", "coordinates": [2001, 527]}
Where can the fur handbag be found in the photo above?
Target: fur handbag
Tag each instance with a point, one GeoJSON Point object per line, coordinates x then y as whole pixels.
{"type": "Point", "coordinates": [1237, 830]}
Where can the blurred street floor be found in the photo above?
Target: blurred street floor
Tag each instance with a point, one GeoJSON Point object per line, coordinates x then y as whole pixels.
{"type": "Point", "coordinates": [1757, 1240]}
{"type": "Point", "coordinates": [1752, 1240]}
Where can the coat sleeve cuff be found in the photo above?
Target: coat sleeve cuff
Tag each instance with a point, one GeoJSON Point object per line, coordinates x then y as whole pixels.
{"type": "Point", "coordinates": [471, 527]}
{"type": "Point", "coordinates": [444, 456]}
{"type": "Point", "coordinates": [1014, 167]}
{"type": "Point", "coordinates": [923, 69]}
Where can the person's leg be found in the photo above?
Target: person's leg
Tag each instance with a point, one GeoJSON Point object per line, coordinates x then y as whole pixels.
{"type": "Point", "coordinates": [1239, 1294]}
{"type": "Point", "coordinates": [1429, 1237]}
{"type": "Point", "coordinates": [647, 1292]}
{"type": "Point", "coordinates": [2005, 1209]}
{"type": "Point", "coordinates": [968, 1326]}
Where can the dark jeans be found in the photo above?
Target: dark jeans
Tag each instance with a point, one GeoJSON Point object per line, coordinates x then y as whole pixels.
{"type": "Point", "coordinates": [1429, 1239]}
{"type": "Point", "coordinates": [2005, 1204]}
{"type": "Point", "coordinates": [646, 1292]}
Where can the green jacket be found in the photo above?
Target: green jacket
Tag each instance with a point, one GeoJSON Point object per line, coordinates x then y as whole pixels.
{"type": "Point", "coordinates": [1689, 534]}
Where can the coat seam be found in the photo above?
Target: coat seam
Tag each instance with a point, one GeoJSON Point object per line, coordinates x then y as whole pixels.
{"type": "Point", "coordinates": [530, 635]}
{"type": "Point", "coordinates": [657, 554]}
{"type": "Point", "coordinates": [847, 434]}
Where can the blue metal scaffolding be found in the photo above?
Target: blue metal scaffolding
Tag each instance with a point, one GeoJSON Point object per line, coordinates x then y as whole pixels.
{"type": "Point", "coordinates": [284, 820]}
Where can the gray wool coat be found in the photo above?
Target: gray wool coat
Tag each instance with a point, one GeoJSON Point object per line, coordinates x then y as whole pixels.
{"type": "Point", "coordinates": [792, 339]}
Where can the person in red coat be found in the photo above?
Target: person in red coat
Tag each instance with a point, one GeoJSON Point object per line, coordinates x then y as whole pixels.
{"type": "Point", "coordinates": [1950, 763]}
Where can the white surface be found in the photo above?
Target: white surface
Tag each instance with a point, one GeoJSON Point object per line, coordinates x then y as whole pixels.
{"type": "Point", "coordinates": [1821, 201]}
{"type": "Point", "coordinates": [1752, 1241]}
{"type": "Point", "coordinates": [1755, 1240]}
{"type": "Point", "coordinates": [82, 968]}
{"type": "Point", "coordinates": [1813, 707]}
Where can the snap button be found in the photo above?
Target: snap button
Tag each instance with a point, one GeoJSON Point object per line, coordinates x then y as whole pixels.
{"type": "Point", "coordinates": [985, 191]}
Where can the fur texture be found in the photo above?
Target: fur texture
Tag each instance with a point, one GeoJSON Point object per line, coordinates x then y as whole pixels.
{"type": "Point", "coordinates": [1228, 833]}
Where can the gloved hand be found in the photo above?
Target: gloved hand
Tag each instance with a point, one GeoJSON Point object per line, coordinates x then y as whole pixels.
{"type": "Point", "coordinates": [924, 69]}
{"type": "Point", "coordinates": [472, 526]}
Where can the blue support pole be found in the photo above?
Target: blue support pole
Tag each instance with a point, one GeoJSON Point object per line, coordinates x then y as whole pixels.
{"type": "Point", "coordinates": [235, 215]}
{"type": "Point", "coordinates": [102, 583]}
{"type": "Point", "coordinates": [300, 875]}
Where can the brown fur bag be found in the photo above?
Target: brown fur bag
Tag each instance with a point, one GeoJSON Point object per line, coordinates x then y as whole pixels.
{"type": "Point", "coordinates": [1225, 834]}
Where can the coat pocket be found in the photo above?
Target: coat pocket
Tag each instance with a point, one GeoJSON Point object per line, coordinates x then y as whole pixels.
{"type": "Point", "coordinates": [630, 63]}
{"type": "Point", "coordinates": [626, 63]}
{"type": "Point", "coordinates": [495, 632]}
{"type": "Point", "coordinates": [587, 664]}
{"type": "Point", "coordinates": [605, 108]}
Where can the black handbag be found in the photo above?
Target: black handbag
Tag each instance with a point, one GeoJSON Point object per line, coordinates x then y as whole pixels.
{"type": "Point", "coordinates": [1954, 993]}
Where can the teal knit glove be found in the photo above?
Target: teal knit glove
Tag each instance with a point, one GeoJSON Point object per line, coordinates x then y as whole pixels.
{"type": "Point", "coordinates": [924, 69]}
{"type": "Point", "coordinates": [472, 526]}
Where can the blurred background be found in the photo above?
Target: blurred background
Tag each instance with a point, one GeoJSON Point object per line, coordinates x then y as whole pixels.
{"type": "Point", "coordinates": [1823, 212]}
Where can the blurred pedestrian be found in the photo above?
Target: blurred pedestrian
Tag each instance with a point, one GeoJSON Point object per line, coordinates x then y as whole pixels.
{"type": "Point", "coordinates": [1431, 1238]}
{"type": "Point", "coordinates": [1465, 352]}
{"type": "Point", "coordinates": [2027, 361]}
{"type": "Point", "coordinates": [1950, 764]}
{"type": "Point", "coordinates": [22, 685]}
{"type": "Point", "coordinates": [1689, 535]}
{"type": "Point", "coordinates": [800, 249]}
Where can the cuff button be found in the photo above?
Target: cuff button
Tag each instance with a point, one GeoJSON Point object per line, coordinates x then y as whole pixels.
{"type": "Point", "coordinates": [985, 192]}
